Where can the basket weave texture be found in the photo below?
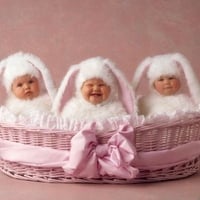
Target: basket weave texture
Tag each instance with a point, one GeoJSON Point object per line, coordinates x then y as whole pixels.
{"type": "Point", "coordinates": [165, 137]}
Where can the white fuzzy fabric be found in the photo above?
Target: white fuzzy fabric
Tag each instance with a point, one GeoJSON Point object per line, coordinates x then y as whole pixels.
{"type": "Point", "coordinates": [49, 121]}
{"type": "Point", "coordinates": [162, 65]}
{"type": "Point", "coordinates": [20, 64]}
{"type": "Point", "coordinates": [155, 104]}
{"type": "Point", "coordinates": [79, 109]}
{"type": "Point", "coordinates": [17, 69]}
{"type": "Point", "coordinates": [41, 104]}
{"type": "Point", "coordinates": [95, 68]}
{"type": "Point", "coordinates": [192, 78]}
{"type": "Point", "coordinates": [17, 65]}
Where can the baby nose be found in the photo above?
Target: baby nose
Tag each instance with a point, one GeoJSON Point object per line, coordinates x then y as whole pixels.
{"type": "Point", "coordinates": [95, 87]}
{"type": "Point", "coordinates": [26, 86]}
{"type": "Point", "coordinates": [166, 81]}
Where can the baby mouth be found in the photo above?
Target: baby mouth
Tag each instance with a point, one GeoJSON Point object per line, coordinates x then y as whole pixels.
{"type": "Point", "coordinates": [167, 87]}
{"type": "Point", "coordinates": [28, 93]}
{"type": "Point", "coordinates": [96, 94]}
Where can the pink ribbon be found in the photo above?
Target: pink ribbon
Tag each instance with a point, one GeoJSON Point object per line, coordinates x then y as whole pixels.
{"type": "Point", "coordinates": [86, 158]}
{"type": "Point", "coordinates": [92, 160]}
{"type": "Point", "coordinates": [166, 158]}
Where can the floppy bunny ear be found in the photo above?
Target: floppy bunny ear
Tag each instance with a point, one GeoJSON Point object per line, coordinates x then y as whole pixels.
{"type": "Point", "coordinates": [2, 66]}
{"type": "Point", "coordinates": [142, 67]}
{"type": "Point", "coordinates": [46, 76]}
{"type": "Point", "coordinates": [65, 91]}
{"type": "Point", "coordinates": [192, 80]}
{"type": "Point", "coordinates": [126, 93]}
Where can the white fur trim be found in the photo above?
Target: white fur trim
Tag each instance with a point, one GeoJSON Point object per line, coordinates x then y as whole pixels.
{"type": "Point", "coordinates": [41, 104]}
{"type": "Point", "coordinates": [19, 64]}
{"type": "Point", "coordinates": [64, 94]}
{"type": "Point", "coordinates": [155, 104]}
{"type": "Point", "coordinates": [15, 66]}
{"type": "Point", "coordinates": [140, 71]}
{"type": "Point", "coordinates": [78, 109]}
{"type": "Point", "coordinates": [95, 68]}
{"type": "Point", "coordinates": [162, 65]}
{"type": "Point", "coordinates": [192, 80]}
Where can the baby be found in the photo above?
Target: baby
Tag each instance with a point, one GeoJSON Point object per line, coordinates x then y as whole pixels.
{"type": "Point", "coordinates": [28, 83]}
{"type": "Point", "coordinates": [96, 91]}
{"type": "Point", "coordinates": [167, 74]}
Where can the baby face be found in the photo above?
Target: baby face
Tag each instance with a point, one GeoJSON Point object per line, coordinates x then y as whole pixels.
{"type": "Point", "coordinates": [95, 91]}
{"type": "Point", "coordinates": [26, 87]}
{"type": "Point", "coordinates": [167, 85]}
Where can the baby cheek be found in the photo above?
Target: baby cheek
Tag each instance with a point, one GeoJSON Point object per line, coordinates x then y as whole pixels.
{"type": "Point", "coordinates": [106, 93]}
{"type": "Point", "coordinates": [88, 90]}
{"type": "Point", "coordinates": [17, 89]}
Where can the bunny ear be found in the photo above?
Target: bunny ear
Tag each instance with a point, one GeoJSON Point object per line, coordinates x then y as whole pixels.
{"type": "Point", "coordinates": [192, 80]}
{"type": "Point", "coordinates": [126, 93]}
{"type": "Point", "coordinates": [2, 66]}
{"type": "Point", "coordinates": [46, 76]}
{"type": "Point", "coordinates": [65, 91]}
{"type": "Point", "coordinates": [140, 72]}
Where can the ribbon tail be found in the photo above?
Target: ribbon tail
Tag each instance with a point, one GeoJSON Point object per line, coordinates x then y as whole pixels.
{"type": "Point", "coordinates": [32, 155]}
{"type": "Point", "coordinates": [122, 171]}
{"type": "Point", "coordinates": [82, 159]}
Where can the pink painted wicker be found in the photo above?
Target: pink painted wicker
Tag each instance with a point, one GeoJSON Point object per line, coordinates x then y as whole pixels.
{"type": "Point", "coordinates": [149, 138]}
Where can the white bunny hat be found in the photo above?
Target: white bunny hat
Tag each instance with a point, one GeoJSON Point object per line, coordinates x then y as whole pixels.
{"type": "Point", "coordinates": [168, 64]}
{"type": "Point", "coordinates": [94, 67]}
{"type": "Point", "coordinates": [20, 64]}
{"type": "Point", "coordinates": [163, 65]}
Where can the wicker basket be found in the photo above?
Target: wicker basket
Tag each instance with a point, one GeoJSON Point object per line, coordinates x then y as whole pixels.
{"type": "Point", "coordinates": [166, 137]}
{"type": "Point", "coordinates": [164, 149]}
{"type": "Point", "coordinates": [149, 138]}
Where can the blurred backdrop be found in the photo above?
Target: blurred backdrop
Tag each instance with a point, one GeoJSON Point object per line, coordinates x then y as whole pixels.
{"type": "Point", "coordinates": [65, 32]}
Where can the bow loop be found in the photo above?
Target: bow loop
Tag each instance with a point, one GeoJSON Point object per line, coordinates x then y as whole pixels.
{"type": "Point", "coordinates": [127, 131]}
{"type": "Point", "coordinates": [82, 161]}
{"type": "Point", "coordinates": [88, 159]}
{"type": "Point", "coordinates": [120, 153]}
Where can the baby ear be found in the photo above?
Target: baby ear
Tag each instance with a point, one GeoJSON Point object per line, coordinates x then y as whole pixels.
{"type": "Point", "coordinates": [108, 62]}
{"type": "Point", "coordinates": [44, 72]}
{"type": "Point", "coordinates": [126, 94]}
{"type": "Point", "coordinates": [182, 60]}
{"type": "Point", "coordinates": [184, 64]}
{"type": "Point", "coordinates": [3, 64]}
{"type": "Point", "coordinates": [140, 71]}
{"type": "Point", "coordinates": [191, 78]}
{"type": "Point", "coordinates": [66, 89]}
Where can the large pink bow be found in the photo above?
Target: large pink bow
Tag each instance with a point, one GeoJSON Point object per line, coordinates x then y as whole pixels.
{"type": "Point", "coordinates": [88, 159]}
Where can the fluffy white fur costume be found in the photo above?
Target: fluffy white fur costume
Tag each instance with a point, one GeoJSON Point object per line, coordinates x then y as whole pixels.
{"type": "Point", "coordinates": [168, 64]}
{"type": "Point", "coordinates": [120, 101]}
{"type": "Point", "coordinates": [79, 109]}
{"type": "Point", "coordinates": [41, 104]}
{"type": "Point", "coordinates": [155, 104]}
{"type": "Point", "coordinates": [20, 64]}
